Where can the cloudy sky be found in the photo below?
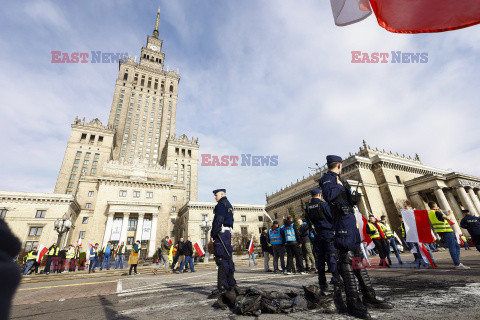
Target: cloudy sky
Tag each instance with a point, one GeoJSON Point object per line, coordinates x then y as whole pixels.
{"type": "Point", "coordinates": [258, 77]}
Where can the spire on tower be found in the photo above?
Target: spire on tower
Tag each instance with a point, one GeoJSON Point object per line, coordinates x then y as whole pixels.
{"type": "Point", "coordinates": [155, 31]}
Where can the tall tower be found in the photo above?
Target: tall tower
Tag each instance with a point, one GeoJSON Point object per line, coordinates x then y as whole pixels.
{"type": "Point", "coordinates": [144, 104]}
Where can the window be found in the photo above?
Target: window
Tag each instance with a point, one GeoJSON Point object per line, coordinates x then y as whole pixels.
{"type": "Point", "coordinates": [260, 218]}
{"type": "Point", "coordinates": [68, 192]}
{"type": "Point", "coordinates": [73, 176]}
{"type": "Point", "coordinates": [84, 170]}
{"type": "Point", "coordinates": [88, 205]}
{"type": "Point", "coordinates": [123, 193]}
{"type": "Point", "coordinates": [97, 155]}
{"type": "Point", "coordinates": [136, 194]}
{"type": "Point", "coordinates": [82, 235]}
{"type": "Point", "coordinates": [85, 162]}
{"type": "Point", "coordinates": [35, 231]}
{"type": "Point", "coordinates": [244, 230]}
{"type": "Point", "coordinates": [29, 245]}
{"type": "Point", "coordinates": [87, 155]}
{"type": "Point", "coordinates": [172, 221]}
{"type": "Point", "coordinates": [90, 193]}
{"type": "Point", "coordinates": [174, 209]}
{"type": "Point", "coordinates": [174, 198]}
{"type": "Point", "coordinates": [149, 194]}
{"type": "Point", "coordinates": [398, 180]}
{"type": "Point", "coordinates": [77, 161]}
{"type": "Point", "coordinates": [132, 224]}
{"type": "Point", "coordinates": [79, 153]}
{"type": "Point", "coordinates": [85, 220]}
{"type": "Point", "coordinates": [93, 171]}
{"type": "Point", "coordinates": [95, 163]}
{"type": "Point", "coordinates": [129, 241]}
{"type": "Point", "coordinates": [3, 213]}
{"type": "Point", "coordinates": [70, 185]}
{"type": "Point", "coordinates": [204, 217]}
{"type": "Point", "coordinates": [244, 218]}
{"type": "Point", "coordinates": [40, 213]}
{"type": "Point", "coordinates": [74, 169]}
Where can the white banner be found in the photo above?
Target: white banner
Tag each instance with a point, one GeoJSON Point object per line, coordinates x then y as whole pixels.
{"type": "Point", "coordinates": [116, 230]}
{"type": "Point", "coordinates": [147, 227]}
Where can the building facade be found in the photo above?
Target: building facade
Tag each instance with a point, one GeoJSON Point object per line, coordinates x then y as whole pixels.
{"type": "Point", "coordinates": [248, 219]}
{"type": "Point", "coordinates": [386, 182]}
{"type": "Point", "coordinates": [123, 181]}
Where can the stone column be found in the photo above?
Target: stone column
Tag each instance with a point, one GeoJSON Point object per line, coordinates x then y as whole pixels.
{"type": "Point", "coordinates": [466, 200]}
{"type": "Point", "coordinates": [457, 211]}
{"type": "Point", "coordinates": [443, 204]}
{"type": "Point", "coordinates": [108, 229]}
{"type": "Point", "coordinates": [138, 233]}
{"type": "Point", "coordinates": [123, 235]}
{"type": "Point", "coordinates": [153, 235]}
{"type": "Point", "coordinates": [417, 201]}
{"type": "Point", "coordinates": [475, 200]}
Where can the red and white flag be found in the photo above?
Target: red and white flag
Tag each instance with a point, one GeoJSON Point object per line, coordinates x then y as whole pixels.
{"type": "Point", "coordinates": [409, 16]}
{"type": "Point", "coordinates": [79, 242]}
{"type": "Point", "coordinates": [41, 252]}
{"type": "Point", "coordinates": [251, 246]}
{"type": "Point", "coordinates": [417, 226]}
{"type": "Point", "coordinates": [89, 247]}
{"type": "Point", "coordinates": [362, 228]}
{"type": "Point", "coordinates": [199, 248]}
{"type": "Point", "coordinates": [170, 241]}
{"type": "Point", "coordinates": [268, 216]}
{"type": "Point", "coordinates": [425, 254]}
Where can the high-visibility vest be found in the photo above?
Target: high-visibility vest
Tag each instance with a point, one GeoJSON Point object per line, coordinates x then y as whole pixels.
{"type": "Point", "coordinates": [402, 227]}
{"type": "Point", "coordinates": [275, 236]}
{"type": "Point", "coordinates": [289, 233]}
{"type": "Point", "coordinates": [70, 253]}
{"type": "Point", "coordinates": [121, 250]}
{"type": "Point", "coordinates": [32, 255]}
{"type": "Point", "coordinates": [53, 251]}
{"type": "Point", "coordinates": [439, 226]}
{"type": "Point", "coordinates": [377, 234]}
{"type": "Point", "coordinates": [388, 230]}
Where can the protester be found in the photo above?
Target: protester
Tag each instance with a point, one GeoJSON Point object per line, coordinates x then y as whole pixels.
{"type": "Point", "coordinates": [107, 251]}
{"type": "Point", "coordinates": [390, 240]}
{"type": "Point", "coordinates": [440, 224]}
{"type": "Point", "coordinates": [163, 253]}
{"type": "Point", "coordinates": [31, 256]}
{"type": "Point", "coordinates": [251, 256]}
{"type": "Point", "coordinates": [62, 260]}
{"type": "Point", "coordinates": [70, 262]}
{"type": "Point", "coordinates": [377, 232]}
{"type": "Point", "coordinates": [133, 259]}
{"type": "Point", "coordinates": [266, 250]}
{"type": "Point", "coordinates": [180, 255]}
{"type": "Point", "coordinates": [292, 241]}
{"type": "Point", "coordinates": [275, 238]}
{"type": "Point", "coordinates": [307, 252]}
{"type": "Point", "coordinates": [51, 254]}
{"type": "Point", "coordinates": [188, 256]}
{"type": "Point", "coordinates": [120, 252]}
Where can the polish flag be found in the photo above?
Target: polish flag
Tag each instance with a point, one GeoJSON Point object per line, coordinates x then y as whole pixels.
{"type": "Point", "coordinates": [409, 16]}
{"type": "Point", "coordinates": [251, 246]}
{"type": "Point", "coordinates": [41, 252]}
{"type": "Point", "coordinates": [425, 254]}
{"type": "Point", "coordinates": [89, 247]}
{"type": "Point", "coordinates": [397, 237]}
{"type": "Point", "coordinates": [79, 242]}
{"type": "Point", "coordinates": [199, 248]}
{"type": "Point", "coordinates": [417, 226]}
{"type": "Point", "coordinates": [268, 216]}
{"type": "Point", "coordinates": [170, 241]}
{"type": "Point", "coordinates": [362, 228]}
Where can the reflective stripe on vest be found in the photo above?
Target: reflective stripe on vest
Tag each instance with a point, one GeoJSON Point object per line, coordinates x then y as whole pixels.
{"type": "Point", "coordinates": [388, 231]}
{"type": "Point", "coordinates": [70, 254]}
{"type": "Point", "coordinates": [53, 252]}
{"type": "Point", "coordinates": [31, 256]}
{"type": "Point", "coordinates": [122, 250]}
{"type": "Point", "coordinates": [439, 226]}
{"type": "Point", "coordinates": [275, 236]}
{"type": "Point", "coordinates": [403, 230]}
{"type": "Point", "coordinates": [371, 227]}
{"type": "Point", "coordinates": [289, 233]}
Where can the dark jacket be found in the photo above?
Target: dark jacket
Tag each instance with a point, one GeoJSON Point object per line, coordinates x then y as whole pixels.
{"type": "Point", "coordinates": [303, 230]}
{"type": "Point", "coordinates": [164, 248]}
{"type": "Point", "coordinates": [180, 248]}
{"type": "Point", "coordinates": [264, 243]}
{"type": "Point", "coordinates": [62, 254]}
{"type": "Point", "coordinates": [188, 249]}
{"type": "Point", "coordinates": [472, 224]}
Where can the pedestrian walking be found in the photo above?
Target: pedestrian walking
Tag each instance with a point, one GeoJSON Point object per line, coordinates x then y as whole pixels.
{"type": "Point", "coordinates": [188, 256]}
{"type": "Point", "coordinates": [251, 256]}
{"type": "Point", "coordinates": [266, 250]}
{"type": "Point", "coordinates": [133, 259]}
{"type": "Point", "coordinates": [163, 253]}
{"type": "Point", "coordinates": [390, 240]}
{"type": "Point", "coordinates": [180, 254]}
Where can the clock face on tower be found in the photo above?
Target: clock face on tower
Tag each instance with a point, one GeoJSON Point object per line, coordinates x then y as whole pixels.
{"type": "Point", "coordinates": [154, 48]}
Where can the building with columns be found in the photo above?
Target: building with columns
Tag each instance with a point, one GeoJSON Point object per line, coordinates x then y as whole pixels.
{"type": "Point", "coordinates": [386, 181]}
{"type": "Point", "coordinates": [125, 180]}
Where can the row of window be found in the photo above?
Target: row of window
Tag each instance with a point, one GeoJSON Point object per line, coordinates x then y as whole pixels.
{"type": "Point", "coordinates": [91, 140]}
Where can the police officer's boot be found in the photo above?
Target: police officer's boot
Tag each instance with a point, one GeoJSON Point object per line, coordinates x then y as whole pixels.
{"type": "Point", "coordinates": [370, 299]}
{"type": "Point", "coordinates": [354, 306]}
{"type": "Point", "coordinates": [338, 298]}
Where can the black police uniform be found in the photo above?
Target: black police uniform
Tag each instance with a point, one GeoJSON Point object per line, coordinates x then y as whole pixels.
{"type": "Point", "coordinates": [347, 241]}
{"type": "Point", "coordinates": [223, 251]}
{"type": "Point", "coordinates": [320, 220]}
{"type": "Point", "coordinates": [472, 224]}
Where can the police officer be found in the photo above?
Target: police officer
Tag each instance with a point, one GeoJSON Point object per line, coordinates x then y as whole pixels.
{"type": "Point", "coordinates": [347, 241]}
{"type": "Point", "coordinates": [221, 237]}
{"type": "Point", "coordinates": [276, 240]}
{"type": "Point", "coordinates": [320, 221]}
{"type": "Point", "coordinates": [472, 224]}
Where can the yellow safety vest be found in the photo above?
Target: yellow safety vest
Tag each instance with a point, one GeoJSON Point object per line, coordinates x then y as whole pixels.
{"type": "Point", "coordinates": [121, 251]}
{"type": "Point", "coordinates": [31, 255]}
{"type": "Point", "coordinates": [439, 226]}
{"type": "Point", "coordinates": [376, 235]}
{"type": "Point", "coordinates": [53, 252]}
{"type": "Point", "coordinates": [70, 253]}
{"type": "Point", "coordinates": [402, 227]}
{"type": "Point", "coordinates": [388, 231]}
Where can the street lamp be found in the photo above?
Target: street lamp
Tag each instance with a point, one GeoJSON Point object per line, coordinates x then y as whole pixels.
{"type": "Point", "coordinates": [62, 226]}
{"type": "Point", "coordinates": [206, 226]}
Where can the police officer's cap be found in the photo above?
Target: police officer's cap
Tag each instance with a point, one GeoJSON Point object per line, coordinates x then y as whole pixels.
{"type": "Point", "coordinates": [332, 158]}
{"type": "Point", "coordinates": [465, 211]}
{"type": "Point", "coordinates": [275, 222]}
{"type": "Point", "coordinates": [315, 191]}
{"type": "Point", "coordinates": [219, 190]}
